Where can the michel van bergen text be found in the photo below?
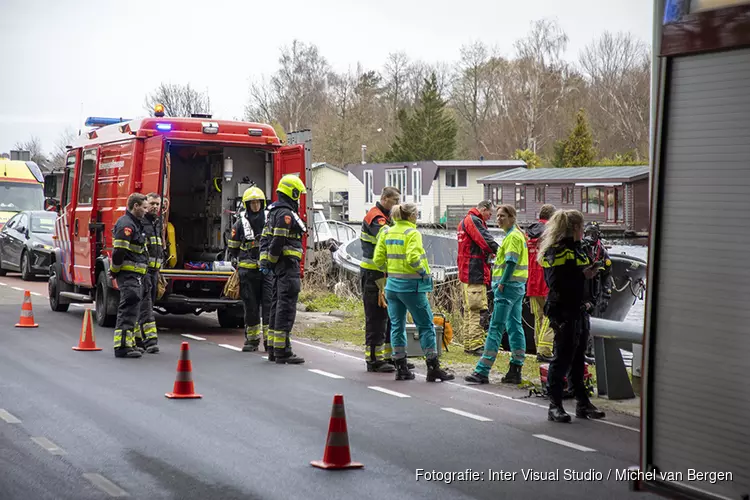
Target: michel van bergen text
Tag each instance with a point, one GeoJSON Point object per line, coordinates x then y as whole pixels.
{"type": "Point", "coordinates": [691, 475]}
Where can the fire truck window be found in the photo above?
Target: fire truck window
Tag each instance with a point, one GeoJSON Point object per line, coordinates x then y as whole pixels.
{"type": "Point", "coordinates": [86, 186]}
{"type": "Point", "coordinates": [69, 171]}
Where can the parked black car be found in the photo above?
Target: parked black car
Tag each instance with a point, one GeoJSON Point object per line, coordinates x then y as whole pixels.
{"type": "Point", "coordinates": [26, 243]}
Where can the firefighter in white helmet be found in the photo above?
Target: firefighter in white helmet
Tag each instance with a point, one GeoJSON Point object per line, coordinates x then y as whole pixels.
{"type": "Point", "coordinates": [244, 250]}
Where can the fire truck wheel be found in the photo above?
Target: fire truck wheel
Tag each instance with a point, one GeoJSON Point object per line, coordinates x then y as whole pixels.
{"type": "Point", "coordinates": [229, 319]}
{"type": "Point", "coordinates": [53, 290]}
{"type": "Point", "coordinates": [103, 299]}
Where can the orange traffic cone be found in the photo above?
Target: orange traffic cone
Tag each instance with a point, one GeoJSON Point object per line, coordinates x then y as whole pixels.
{"type": "Point", "coordinates": [336, 455]}
{"type": "Point", "coordinates": [27, 313]}
{"type": "Point", "coordinates": [183, 383]}
{"type": "Point", "coordinates": [87, 340]}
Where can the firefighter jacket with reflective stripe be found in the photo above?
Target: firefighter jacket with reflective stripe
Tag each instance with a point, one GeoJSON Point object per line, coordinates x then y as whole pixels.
{"type": "Point", "coordinates": [152, 227]}
{"type": "Point", "coordinates": [246, 247]}
{"type": "Point", "coordinates": [563, 265]}
{"type": "Point", "coordinates": [475, 245]}
{"type": "Point", "coordinates": [375, 220]}
{"type": "Point", "coordinates": [129, 251]}
{"type": "Point", "coordinates": [513, 249]}
{"type": "Point", "coordinates": [282, 235]}
{"type": "Point", "coordinates": [536, 286]}
{"type": "Point", "coordinates": [400, 254]}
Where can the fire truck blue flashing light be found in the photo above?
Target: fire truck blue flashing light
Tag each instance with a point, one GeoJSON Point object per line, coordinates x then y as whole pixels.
{"type": "Point", "coordinates": [164, 127]}
{"type": "Point", "coordinates": [96, 121]}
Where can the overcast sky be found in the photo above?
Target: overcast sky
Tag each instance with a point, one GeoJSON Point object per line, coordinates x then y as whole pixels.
{"type": "Point", "coordinates": [64, 60]}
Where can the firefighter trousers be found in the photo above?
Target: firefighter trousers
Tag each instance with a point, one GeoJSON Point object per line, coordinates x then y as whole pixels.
{"type": "Point", "coordinates": [418, 306]}
{"type": "Point", "coordinates": [377, 323]}
{"type": "Point", "coordinates": [131, 291]}
{"type": "Point", "coordinates": [286, 288]}
{"type": "Point", "coordinates": [475, 303]}
{"type": "Point", "coordinates": [252, 293]}
{"type": "Point", "coordinates": [506, 315]}
{"type": "Point", "coordinates": [571, 338]}
{"type": "Point", "coordinates": [145, 328]}
{"type": "Point", "coordinates": [543, 332]}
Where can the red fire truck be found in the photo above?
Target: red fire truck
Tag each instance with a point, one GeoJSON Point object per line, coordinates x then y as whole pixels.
{"type": "Point", "coordinates": [201, 167]}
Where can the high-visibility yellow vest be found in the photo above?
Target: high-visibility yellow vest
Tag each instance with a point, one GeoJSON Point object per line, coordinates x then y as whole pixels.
{"type": "Point", "coordinates": [399, 252]}
{"type": "Point", "coordinates": [514, 246]}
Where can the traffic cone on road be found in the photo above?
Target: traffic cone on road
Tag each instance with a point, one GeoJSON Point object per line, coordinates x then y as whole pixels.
{"type": "Point", "coordinates": [27, 313]}
{"type": "Point", "coordinates": [183, 383]}
{"type": "Point", "coordinates": [87, 340]}
{"type": "Point", "coordinates": [336, 455]}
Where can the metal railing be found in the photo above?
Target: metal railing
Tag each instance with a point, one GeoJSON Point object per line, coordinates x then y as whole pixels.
{"type": "Point", "coordinates": [612, 381]}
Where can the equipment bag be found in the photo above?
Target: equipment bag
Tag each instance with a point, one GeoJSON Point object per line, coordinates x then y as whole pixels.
{"type": "Point", "coordinates": [232, 288]}
{"type": "Point", "coordinates": [161, 287]}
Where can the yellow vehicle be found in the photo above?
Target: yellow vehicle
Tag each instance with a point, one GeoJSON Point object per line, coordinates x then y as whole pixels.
{"type": "Point", "coordinates": [21, 188]}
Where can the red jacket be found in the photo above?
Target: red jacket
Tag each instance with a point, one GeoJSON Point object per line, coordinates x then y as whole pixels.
{"type": "Point", "coordinates": [475, 245]}
{"type": "Point", "coordinates": [535, 286]}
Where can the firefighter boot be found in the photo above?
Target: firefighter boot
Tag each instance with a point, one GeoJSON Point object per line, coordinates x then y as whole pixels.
{"type": "Point", "coordinates": [392, 362]}
{"type": "Point", "coordinates": [131, 352]}
{"type": "Point", "coordinates": [380, 367]}
{"type": "Point", "coordinates": [289, 359]}
{"type": "Point", "coordinates": [586, 409]}
{"type": "Point", "coordinates": [556, 412]}
{"type": "Point", "coordinates": [402, 370]}
{"type": "Point", "coordinates": [513, 376]}
{"type": "Point", "coordinates": [151, 346]}
{"type": "Point", "coordinates": [250, 346]}
{"type": "Point", "coordinates": [434, 372]}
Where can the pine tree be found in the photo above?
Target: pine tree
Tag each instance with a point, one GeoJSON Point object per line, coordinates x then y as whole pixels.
{"type": "Point", "coordinates": [579, 148]}
{"type": "Point", "coordinates": [429, 133]}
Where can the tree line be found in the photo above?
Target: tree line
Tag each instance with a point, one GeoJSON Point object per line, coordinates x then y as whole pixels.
{"type": "Point", "coordinates": [532, 105]}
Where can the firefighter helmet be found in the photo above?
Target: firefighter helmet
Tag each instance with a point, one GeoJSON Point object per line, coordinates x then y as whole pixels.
{"type": "Point", "coordinates": [292, 186]}
{"type": "Point", "coordinates": [253, 193]}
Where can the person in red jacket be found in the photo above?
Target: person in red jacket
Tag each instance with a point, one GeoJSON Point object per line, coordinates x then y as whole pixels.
{"type": "Point", "coordinates": [536, 287]}
{"type": "Point", "coordinates": [475, 246]}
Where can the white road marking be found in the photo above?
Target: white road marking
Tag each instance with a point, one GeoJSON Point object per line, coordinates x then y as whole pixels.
{"type": "Point", "coordinates": [388, 391]}
{"type": "Point", "coordinates": [105, 485]}
{"type": "Point", "coordinates": [49, 445]}
{"type": "Point", "coordinates": [265, 357]}
{"type": "Point", "coordinates": [466, 414]}
{"type": "Point", "coordinates": [615, 424]}
{"type": "Point", "coordinates": [19, 289]}
{"type": "Point", "coordinates": [37, 294]}
{"type": "Point", "coordinates": [194, 337]}
{"type": "Point", "coordinates": [462, 386]}
{"type": "Point", "coordinates": [329, 350]}
{"type": "Point", "coordinates": [10, 419]}
{"type": "Point", "coordinates": [326, 374]}
{"type": "Point", "coordinates": [563, 442]}
{"type": "Point", "coordinates": [227, 346]}
{"type": "Point", "coordinates": [3, 284]}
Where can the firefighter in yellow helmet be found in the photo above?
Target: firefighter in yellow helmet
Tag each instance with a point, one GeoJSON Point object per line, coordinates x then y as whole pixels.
{"type": "Point", "coordinates": [244, 250]}
{"type": "Point", "coordinates": [280, 257]}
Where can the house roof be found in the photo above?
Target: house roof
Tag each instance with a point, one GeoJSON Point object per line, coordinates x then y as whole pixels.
{"type": "Point", "coordinates": [568, 175]}
{"type": "Point", "coordinates": [328, 165]}
{"type": "Point", "coordinates": [480, 163]}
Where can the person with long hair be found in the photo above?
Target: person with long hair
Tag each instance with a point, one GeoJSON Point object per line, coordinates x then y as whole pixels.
{"type": "Point", "coordinates": [567, 266]}
{"type": "Point", "coordinates": [509, 276]}
{"type": "Point", "coordinates": [400, 254]}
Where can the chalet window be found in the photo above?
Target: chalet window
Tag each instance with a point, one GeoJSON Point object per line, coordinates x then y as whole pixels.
{"type": "Point", "coordinates": [615, 212]}
{"type": "Point", "coordinates": [368, 186]}
{"type": "Point", "coordinates": [396, 177]}
{"type": "Point", "coordinates": [416, 185]}
{"type": "Point", "coordinates": [496, 195]}
{"type": "Point", "coordinates": [539, 194]}
{"type": "Point", "coordinates": [455, 177]}
{"type": "Point", "coordinates": [567, 195]}
{"type": "Point", "coordinates": [592, 200]}
{"type": "Point", "coordinates": [520, 198]}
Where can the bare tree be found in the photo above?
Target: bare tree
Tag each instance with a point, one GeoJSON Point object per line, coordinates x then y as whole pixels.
{"type": "Point", "coordinates": [263, 106]}
{"type": "Point", "coordinates": [396, 74]}
{"type": "Point", "coordinates": [619, 73]}
{"type": "Point", "coordinates": [178, 100]}
{"type": "Point", "coordinates": [33, 146]}
{"type": "Point", "coordinates": [299, 85]}
{"type": "Point", "coordinates": [60, 152]}
{"type": "Point", "coordinates": [540, 79]}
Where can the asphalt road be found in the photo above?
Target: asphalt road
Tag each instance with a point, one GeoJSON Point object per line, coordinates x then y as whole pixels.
{"type": "Point", "coordinates": [85, 425]}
